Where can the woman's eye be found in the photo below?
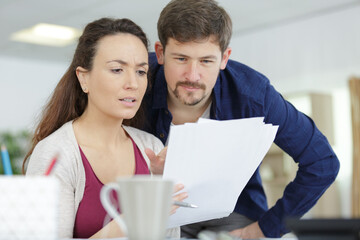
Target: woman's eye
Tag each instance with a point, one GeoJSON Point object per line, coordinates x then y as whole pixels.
{"type": "Point", "coordinates": [116, 70]}
{"type": "Point", "coordinates": [141, 72]}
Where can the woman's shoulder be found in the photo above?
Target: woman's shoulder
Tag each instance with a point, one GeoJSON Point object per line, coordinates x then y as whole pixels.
{"type": "Point", "coordinates": [143, 138]}
{"type": "Point", "coordinates": [61, 143]}
{"type": "Point", "coordinates": [135, 132]}
{"type": "Point", "coordinates": [62, 135]}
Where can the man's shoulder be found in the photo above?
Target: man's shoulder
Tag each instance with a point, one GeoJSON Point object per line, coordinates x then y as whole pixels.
{"type": "Point", "coordinates": [155, 69]}
{"type": "Point", "coordinates": [153, 63]}
{"type": "Point", "coordinates": [244, 79]}
{"type": "Point", "coordinates": [242, 72]}
{"type": "Point", "coordinates": [152, 57]}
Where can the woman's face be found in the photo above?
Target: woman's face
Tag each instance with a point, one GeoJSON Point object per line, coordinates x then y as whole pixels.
{"type": "Point", "coordinates": [118, 80]}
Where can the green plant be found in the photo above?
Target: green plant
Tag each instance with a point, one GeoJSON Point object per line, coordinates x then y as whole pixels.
{"type": "Point", "coordinates": [17, 144]}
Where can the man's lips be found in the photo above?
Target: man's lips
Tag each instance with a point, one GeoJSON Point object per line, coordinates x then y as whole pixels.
{"type": "Point", "coordinates": [189, 88]}
{"type": "Point", "coordinates": [191, 85]}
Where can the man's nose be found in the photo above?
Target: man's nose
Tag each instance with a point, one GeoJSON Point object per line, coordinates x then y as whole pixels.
{"type": "Point", "coordinates": [192, 73]}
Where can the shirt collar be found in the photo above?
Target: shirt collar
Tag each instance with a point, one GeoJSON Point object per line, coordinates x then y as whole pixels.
{"type": "Point", "coordinates": [216, 99]}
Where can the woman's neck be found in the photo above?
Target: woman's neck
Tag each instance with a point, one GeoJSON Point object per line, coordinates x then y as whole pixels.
{"type": "Point", "coordinates": [99, 131]}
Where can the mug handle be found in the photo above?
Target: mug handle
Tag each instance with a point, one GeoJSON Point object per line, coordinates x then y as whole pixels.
{"type": "Point", "coordinates": [105, 200]}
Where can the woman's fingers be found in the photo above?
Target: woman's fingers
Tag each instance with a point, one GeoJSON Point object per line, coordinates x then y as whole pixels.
{"type": "Point", "coordinates": [156, 161]}
{"type": "Point", "coordinates": [178, 197]}
{"type": "Point", "coordinates": [178, 187]}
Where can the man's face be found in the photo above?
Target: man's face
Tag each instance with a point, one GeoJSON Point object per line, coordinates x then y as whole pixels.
{"type": "Point", "coordinates": [191, 69]}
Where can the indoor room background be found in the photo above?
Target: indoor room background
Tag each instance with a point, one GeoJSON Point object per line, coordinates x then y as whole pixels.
{"type": "Point", "coordinates": [308, 49]}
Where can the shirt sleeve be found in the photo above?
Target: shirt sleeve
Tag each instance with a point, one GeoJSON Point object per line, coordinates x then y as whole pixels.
{"type": "Point", "coordinates": [317, 163]}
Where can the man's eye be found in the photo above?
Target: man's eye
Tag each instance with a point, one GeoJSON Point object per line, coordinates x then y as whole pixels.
{"type": "Point", "coordinates": [206, 61]}
{"type": "Point", "coordinates": [116, 70]}
{"type": "Point", "coordinates": [181, 59]}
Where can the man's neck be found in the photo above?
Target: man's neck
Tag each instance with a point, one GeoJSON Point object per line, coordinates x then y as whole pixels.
{"type": "Point", "coordinates": [182, 113]}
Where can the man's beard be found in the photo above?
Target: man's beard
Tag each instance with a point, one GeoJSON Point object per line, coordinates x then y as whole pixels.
{"type": "Point", "coordinates": [192, 101]}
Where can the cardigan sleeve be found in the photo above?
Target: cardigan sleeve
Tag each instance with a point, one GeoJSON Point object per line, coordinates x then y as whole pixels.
{"type": "Point", "coordinates": [38, 163]}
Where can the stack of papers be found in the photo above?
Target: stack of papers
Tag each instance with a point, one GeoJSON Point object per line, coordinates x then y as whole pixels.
{"type": "Point", "coordinates": [215, 160]}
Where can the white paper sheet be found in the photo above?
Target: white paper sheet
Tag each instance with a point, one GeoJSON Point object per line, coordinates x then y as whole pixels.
{"type": "Point", "coordinates": [215, 160]}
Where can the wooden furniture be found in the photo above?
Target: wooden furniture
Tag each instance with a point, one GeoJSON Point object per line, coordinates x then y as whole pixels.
{"type": "Point", "coordinates": [354, 86]}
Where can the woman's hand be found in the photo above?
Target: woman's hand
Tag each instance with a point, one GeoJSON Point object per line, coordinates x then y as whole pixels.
{"type": "Point", "coordinates": [157, 162]}
{"type": "Point", "coordinates": [110, 230]}
{"type": "Point", "coordinates": [178, 197]}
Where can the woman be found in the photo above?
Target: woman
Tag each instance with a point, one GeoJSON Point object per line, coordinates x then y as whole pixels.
{"type": "Point", "coordinates": [84, 123]}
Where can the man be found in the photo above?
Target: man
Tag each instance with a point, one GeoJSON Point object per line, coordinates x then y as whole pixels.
{"type": "Point", "coordinates": [192, 77]}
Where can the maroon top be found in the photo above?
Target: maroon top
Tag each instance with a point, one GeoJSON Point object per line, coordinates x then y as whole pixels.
{"type": "Point", "coordinates": [90, 215]}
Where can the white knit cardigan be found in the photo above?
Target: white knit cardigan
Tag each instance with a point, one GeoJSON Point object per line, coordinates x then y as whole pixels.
{"type": "Point", "coordinates": [71, 173]}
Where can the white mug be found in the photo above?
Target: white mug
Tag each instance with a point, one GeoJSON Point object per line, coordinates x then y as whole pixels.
{"type": "Point", "coordinates": [145, 202]}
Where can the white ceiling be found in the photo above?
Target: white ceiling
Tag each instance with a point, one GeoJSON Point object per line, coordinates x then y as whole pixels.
{"type": "Point", "coordinates": [247, 15]}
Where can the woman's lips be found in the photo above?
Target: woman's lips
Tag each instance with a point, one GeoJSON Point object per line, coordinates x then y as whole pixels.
{"type": "Point", "coordinates": [128, 101]}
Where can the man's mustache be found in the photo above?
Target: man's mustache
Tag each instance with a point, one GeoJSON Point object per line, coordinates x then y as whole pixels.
{"type": "Point", "coordinates": [191, 84]}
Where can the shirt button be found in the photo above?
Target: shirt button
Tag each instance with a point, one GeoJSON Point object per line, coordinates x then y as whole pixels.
{"type": "Point", "coordinates": [162, 135]}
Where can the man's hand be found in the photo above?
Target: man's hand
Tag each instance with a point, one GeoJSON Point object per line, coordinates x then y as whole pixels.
{"type": "Point", "coordinates": [249, 232]}
{"type": "Point", "coordinates": [157, 162]}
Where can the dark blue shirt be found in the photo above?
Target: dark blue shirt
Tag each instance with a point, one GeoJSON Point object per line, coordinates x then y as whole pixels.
{"type": "Point", "coordinates": [241, 92]}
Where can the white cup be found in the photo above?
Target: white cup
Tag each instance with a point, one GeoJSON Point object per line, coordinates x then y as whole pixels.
{"type": "Point", "coordinates": [145, 202]}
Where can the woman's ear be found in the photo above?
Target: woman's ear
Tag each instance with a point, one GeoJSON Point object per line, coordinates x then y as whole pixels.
{"type": "Point", "coordinates": [159, 50]}
{"type": "Point", "coordinates": [82, 75]}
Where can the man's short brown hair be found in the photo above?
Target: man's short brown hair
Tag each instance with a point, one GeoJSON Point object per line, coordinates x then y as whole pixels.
{"type": "Point", "coordinates": [194, 20]}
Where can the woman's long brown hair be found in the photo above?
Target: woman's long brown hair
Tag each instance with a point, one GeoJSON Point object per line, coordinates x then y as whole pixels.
{"type": "Point", "coordinates": [68, 101]}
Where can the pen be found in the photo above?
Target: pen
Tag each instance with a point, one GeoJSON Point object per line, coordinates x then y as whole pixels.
{"type": "Point", "coordinates": [6, 160]}
{"type": "Point", "coordinates": [51, 166]}
{"type": "Point", "coordinates": [184, 204]}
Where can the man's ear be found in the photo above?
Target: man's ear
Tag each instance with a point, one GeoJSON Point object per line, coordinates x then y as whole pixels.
{"type": "Point", "coordinates": [159, 50]}
{"type": "Point", "coordinates": [82, 75]}
{"type": "Point", "coordinates": [225, 58]}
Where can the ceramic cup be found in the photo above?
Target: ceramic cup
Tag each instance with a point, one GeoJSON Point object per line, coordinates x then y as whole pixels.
{"type": "Point", "coordinates": [145, 203]}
